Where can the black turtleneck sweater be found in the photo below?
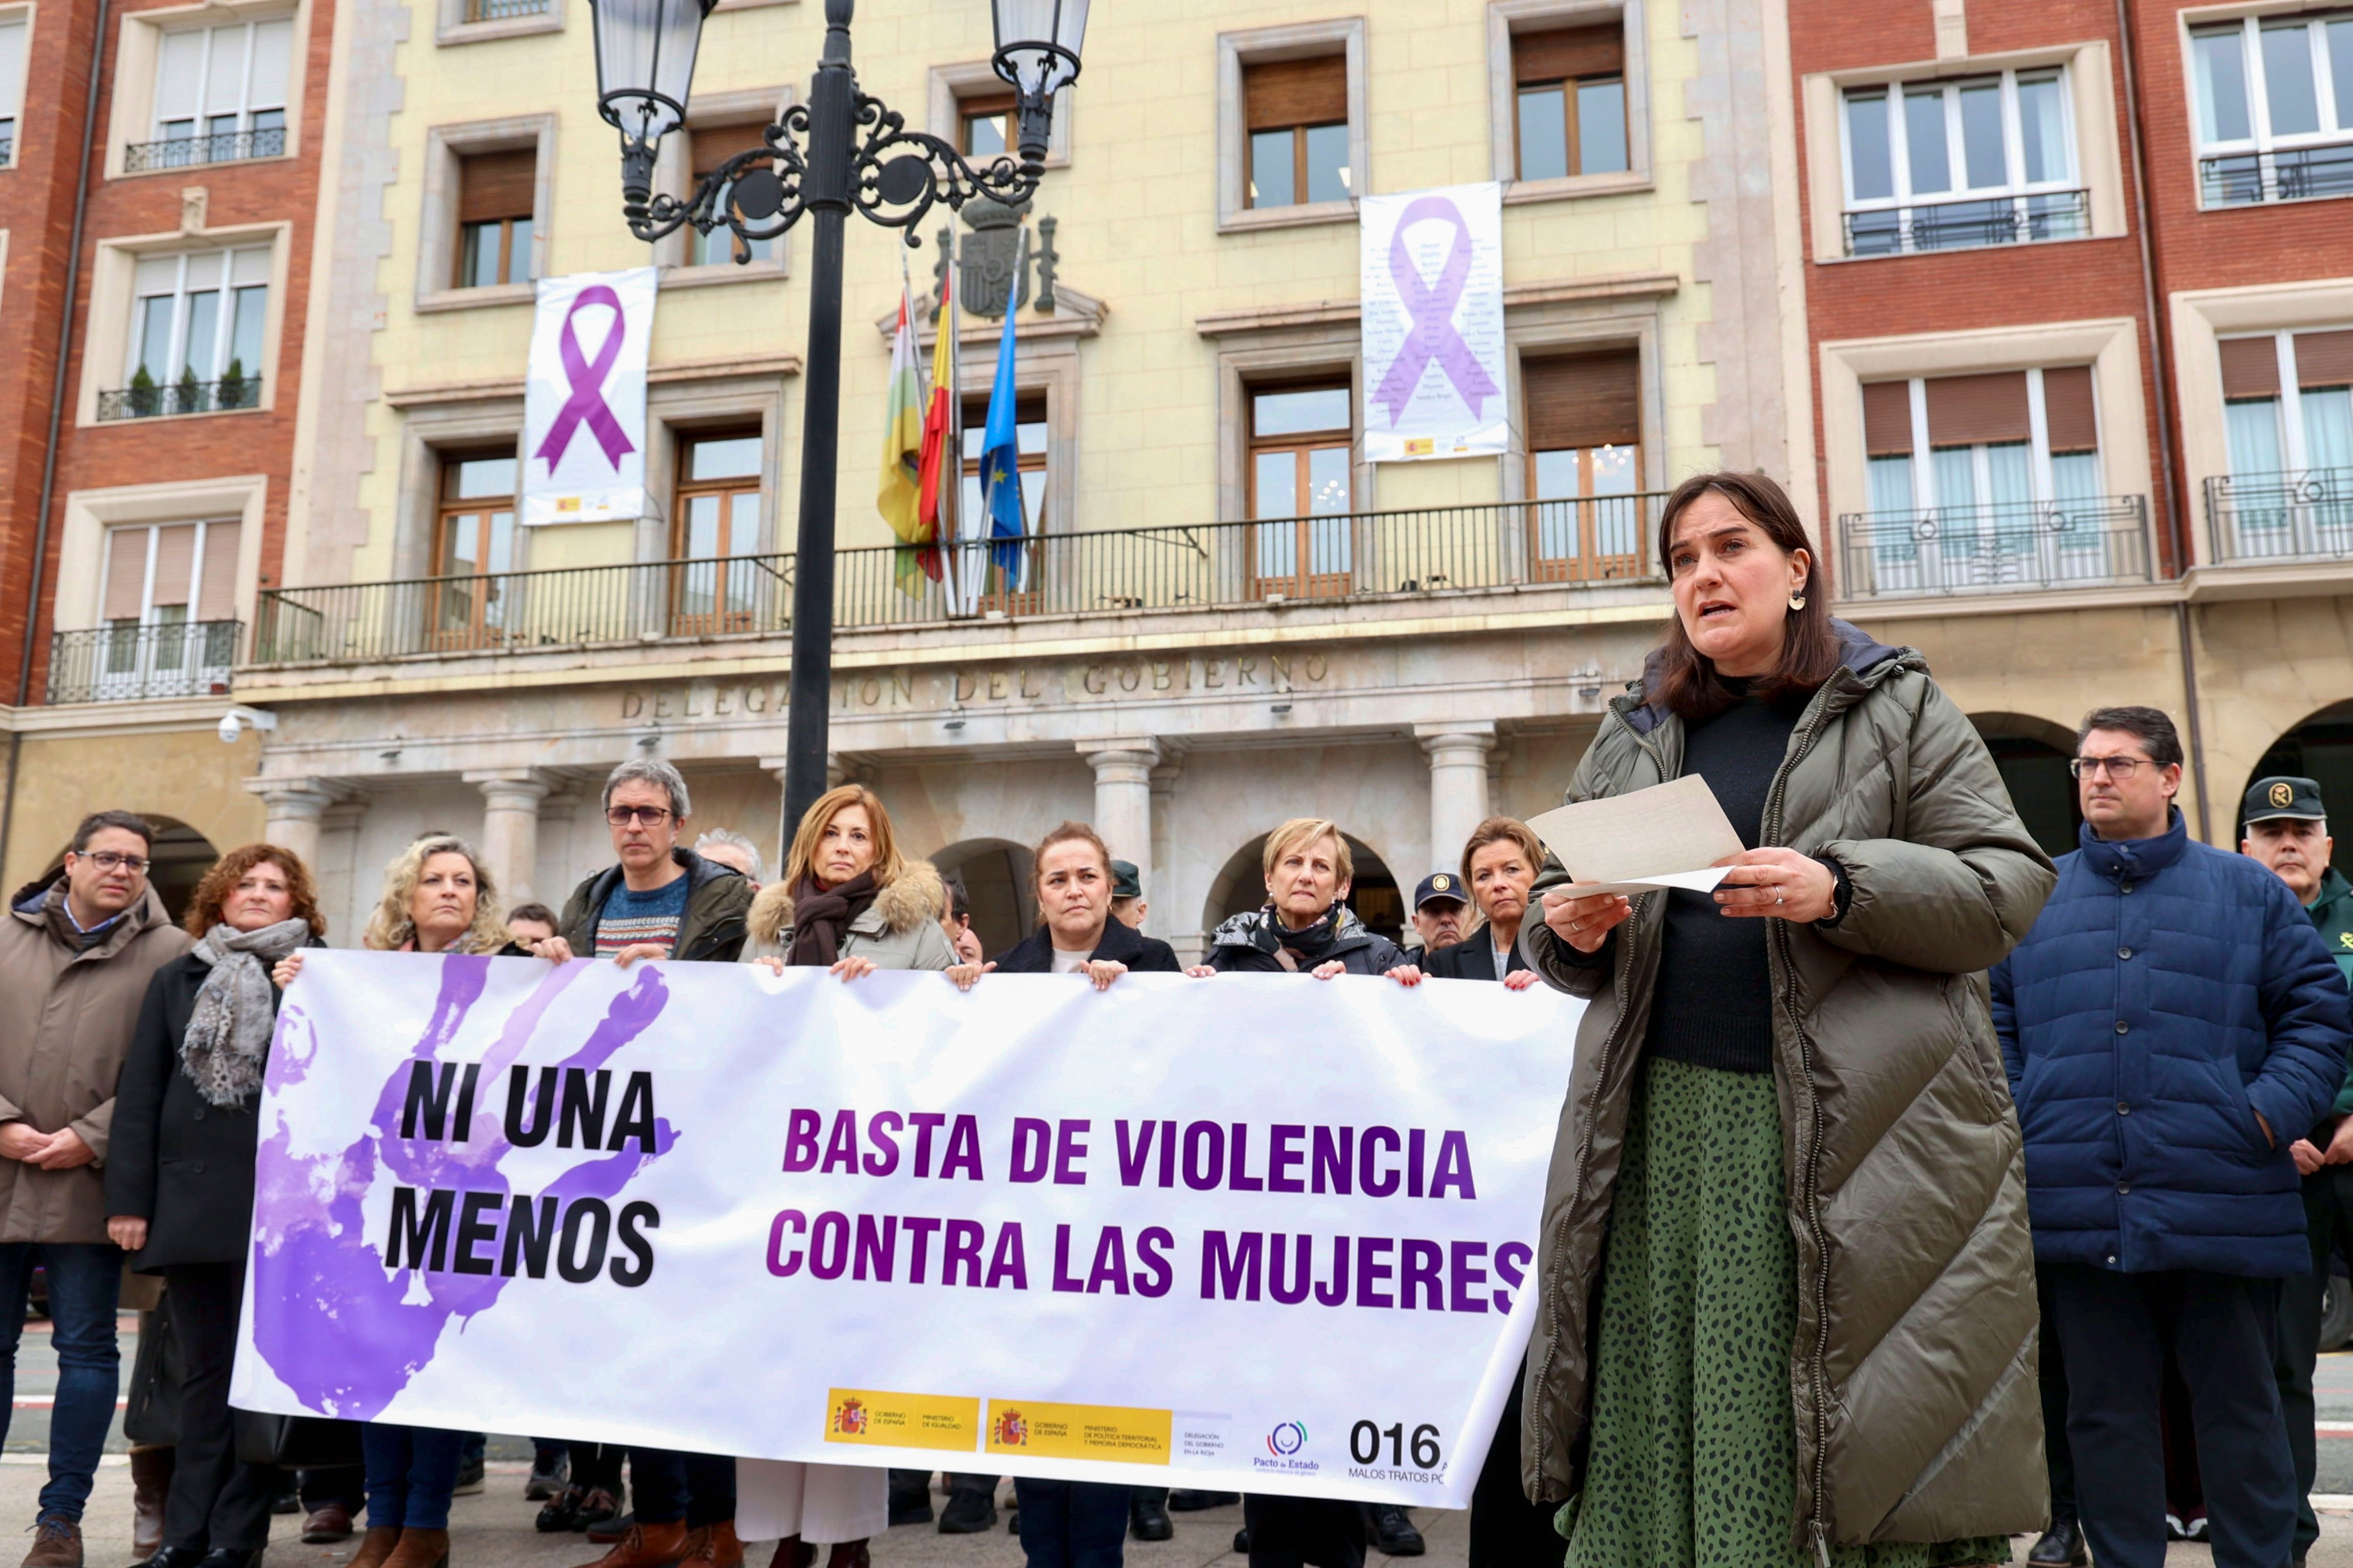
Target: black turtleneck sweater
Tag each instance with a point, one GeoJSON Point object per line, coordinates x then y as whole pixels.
{"type": "Point", "coordinates": [1713, 1004]}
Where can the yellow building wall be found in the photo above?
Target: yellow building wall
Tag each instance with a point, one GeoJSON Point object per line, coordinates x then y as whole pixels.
{"type": "Point", "coordinates": [185, 776]}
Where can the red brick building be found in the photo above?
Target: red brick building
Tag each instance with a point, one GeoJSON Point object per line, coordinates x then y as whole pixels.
{"type": "Point", "coordinates": [182, 144]}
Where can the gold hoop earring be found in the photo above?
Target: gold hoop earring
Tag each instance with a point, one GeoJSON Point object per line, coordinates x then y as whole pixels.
{"type": "Point", "coordinates": [1797, 602]}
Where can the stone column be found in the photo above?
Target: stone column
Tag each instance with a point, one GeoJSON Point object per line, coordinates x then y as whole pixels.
{"type": "Point", "coordinates": [1458, 785]}
{"type": "Point", "coordinates": [510, 798]}
{"type": "Point", "coordinates": [1123, 765]}
{"type": "Point", "coordinates": [1160, 884]}
{"type": "Point", "coordinates": [292, 809]}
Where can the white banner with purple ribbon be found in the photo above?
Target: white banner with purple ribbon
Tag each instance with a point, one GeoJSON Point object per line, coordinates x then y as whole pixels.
{"type": "Point", "coordinates": [1256, 1233]}
{"type": "Point", "coordinates": [1432, 285]}
{"type": "Point", "coordinates": [585, 404]}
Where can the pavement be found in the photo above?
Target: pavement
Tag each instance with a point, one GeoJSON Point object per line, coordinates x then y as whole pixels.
{"type": "Point", "coordinates": [493, 1528]}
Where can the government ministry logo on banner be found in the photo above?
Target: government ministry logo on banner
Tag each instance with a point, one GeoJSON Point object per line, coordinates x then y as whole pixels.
{"type": "Point", "coordinates": [1431, 265]}
{"type": "Point", "coordinates": [585, 404]}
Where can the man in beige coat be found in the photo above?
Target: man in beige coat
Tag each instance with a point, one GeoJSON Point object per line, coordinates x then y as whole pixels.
{"type": "Point", "coordinates": [75, 958]}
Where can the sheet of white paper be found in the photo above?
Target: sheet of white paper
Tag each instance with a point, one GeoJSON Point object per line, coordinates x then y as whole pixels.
{"type": "Point", "coordinates": [1626, 842]}
{"type": "Point", "coordinates": [1701, 881]}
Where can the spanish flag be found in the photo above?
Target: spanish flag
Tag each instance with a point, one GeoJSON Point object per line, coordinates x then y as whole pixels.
{"type": "Point", "coordinates": [938, 466]}
{"type": "Point", "coordinates": [902, 444]}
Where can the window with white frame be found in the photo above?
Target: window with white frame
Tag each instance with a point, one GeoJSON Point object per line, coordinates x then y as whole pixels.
{"type": "Point", "coordinates": [12, 34]}
{"type": "Point", "coordinates": [2287, 413]}
{"type": "Point", "coordinates": [2275, 108]}
{"type": "Point", "coordinates": [197, 324]}
{"type": "Point", "coordinates": [220, 95]}
{"type": "Point", "coordinates": [168, 599]}
{"type": "Point", "coordinates": [1938, 165]}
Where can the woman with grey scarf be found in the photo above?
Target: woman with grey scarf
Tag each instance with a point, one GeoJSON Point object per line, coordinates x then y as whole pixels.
{"type": "Point", "coordinates": [179, 1175]}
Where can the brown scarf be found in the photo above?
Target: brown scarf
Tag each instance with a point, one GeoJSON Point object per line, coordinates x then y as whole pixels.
{"type": "Point", "coordinates": [821, 918]}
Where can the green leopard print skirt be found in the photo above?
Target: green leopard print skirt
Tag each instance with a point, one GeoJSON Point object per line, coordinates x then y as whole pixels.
{"type": "Point", "coordinates": [1694, 1459]}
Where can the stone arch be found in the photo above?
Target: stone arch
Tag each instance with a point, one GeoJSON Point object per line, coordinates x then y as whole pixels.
{"type": "Point", "coordinates": [2032, 753]}
{"type": "Point", "coordinates": [2319, 748]}
{"type": "Point", "coordinates": [1374, 894]}
{"type": "Point", "coordinates": [996, 877]}
{"type": "Point", "coordinates": [180, 854]}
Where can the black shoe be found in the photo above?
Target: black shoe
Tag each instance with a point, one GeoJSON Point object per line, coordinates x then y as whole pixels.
{"type": "Point", "coordinates": [175, 1557]}
{"type": "Point", "coordinates": [287, 1502]}
{"type": "Point", "coordinates": [547, 1480]}
{"type": "Point", "coordinates": [1012, 1521]}
{"type": "Point", "coordinates": [469, 1477]}
{"type": "Point", "coordinates": [1147, 1514]}
{"type": "Point", "coordinates": [2061, 1546]}
{"type": "Point", "coordinates": [599, 1507]}
{"type": "Point", "coordinates": [1241, 1541]}
{"type": "Point", "coordinates": [1393, 1532]}
{"type": "Point", "coordinates": [911, 1497]}
{"type": "Point", "coordinates": [1183, 1501]}
{"type": "Point", "coordinates": [969, 1512]}
{"type": "Point", "coordinates": [230, 1557]}
{"type": "Point", "coordinates": [562, 1512]}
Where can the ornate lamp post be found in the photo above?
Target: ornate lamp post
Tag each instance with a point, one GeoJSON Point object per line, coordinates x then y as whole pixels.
{"type": "Point", "coordinates": [841, 150]}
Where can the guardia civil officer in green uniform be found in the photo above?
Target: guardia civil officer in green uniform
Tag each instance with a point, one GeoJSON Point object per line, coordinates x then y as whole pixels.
{"type": "Point", "coordinates": [2287, 830]}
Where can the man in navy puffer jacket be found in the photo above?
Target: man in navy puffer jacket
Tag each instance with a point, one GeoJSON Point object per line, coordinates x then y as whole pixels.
{"type": "Point", "coordinates": [2169, 1025]}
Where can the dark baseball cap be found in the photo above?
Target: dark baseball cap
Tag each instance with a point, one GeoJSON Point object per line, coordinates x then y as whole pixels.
{"type": "Point", "coordinates": [1439, 887]}
{"type": "Point", "coordinates": [2282, 795]}
{"type": "Point", "coordinates": [1126, 882]}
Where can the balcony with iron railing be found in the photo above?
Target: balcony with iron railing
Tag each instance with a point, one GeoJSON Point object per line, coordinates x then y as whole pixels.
{"type": "Point", "coordinates": [129, 663]}
{"type": "Point", "coordinates": [1968, 223]}
{"type": "Point", "coordinates": [189, 151]}
{"type": "Point", "coordinates": [185, 396]}
{"type": "Point", "coordinates": [1337, 560]}
{"type": "Point", "coordinates": [506, 10]}
{"type": "Point", "coordinates": [2100, 541]}
{"type": "Point", "coordinates": [2281, 175]}
{"type": "Point", "coordinates": [2302, 514]}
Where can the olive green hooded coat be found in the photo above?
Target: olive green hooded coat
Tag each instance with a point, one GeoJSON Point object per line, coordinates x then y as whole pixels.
{"type": "Point", "coordinates": [1913, 1376]}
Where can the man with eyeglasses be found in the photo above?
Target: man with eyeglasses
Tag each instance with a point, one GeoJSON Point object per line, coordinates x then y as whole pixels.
{"type": "Point", "coordinates": [75, 955]}
{"type": "Point", "coordinates": [2287, 830]}
{"type": "Point", "coordinates": [2170, 1025]}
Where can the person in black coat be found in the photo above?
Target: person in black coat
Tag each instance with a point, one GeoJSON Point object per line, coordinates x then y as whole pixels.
{"type": "Point", "coordinates": [179, 1175]}
{"type": "Point", "coordinates": [1306, 923]}
{"type": "Point", "coordinates": [1072, 875]}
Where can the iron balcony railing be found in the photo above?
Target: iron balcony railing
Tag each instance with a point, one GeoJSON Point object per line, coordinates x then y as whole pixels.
{"type": "Point", "coordinates": [501, 10]}
{"type": "Point", "coordinates": [187, 151]}
{"type": "Point", "coordinates": [181, 397]}
{"type": "Point", "coordinates": [1967, 224]}
{"type": "Point", "coordinates": [2305, 514]}
{"type": "Point", "coordinates": [125, 663]}
{"type": "Point", "coordinates": [2283, 175]}
{"type": "Point", "coordinates": [1359, 555]}
{"type": "Point", "coordinates": [1996, 548]}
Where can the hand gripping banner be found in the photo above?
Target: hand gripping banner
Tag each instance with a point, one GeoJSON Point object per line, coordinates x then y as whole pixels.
{"type": "Point", "coordinates": [1432, 281]}
{"type": "Point", "coordinates": [1260, 1233]}
{"type": "Point", "coordinates": [584, 402]}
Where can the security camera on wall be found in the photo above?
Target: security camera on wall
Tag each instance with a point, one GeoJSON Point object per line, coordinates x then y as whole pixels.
{"type": "Point", "coordinates": [240, 718]}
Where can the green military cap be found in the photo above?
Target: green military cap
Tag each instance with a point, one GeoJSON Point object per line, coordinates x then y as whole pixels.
{"type": "Point", "coordinates": [1126, 882]}
{"type": "Point", "coordinates": [2282, 795]}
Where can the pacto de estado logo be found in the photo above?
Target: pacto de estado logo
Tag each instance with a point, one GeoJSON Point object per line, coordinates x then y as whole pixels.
{"type": "Point", "coordinates": [1008, 1429]}
{"type": "Point", "coordinates": [1287, 1439]}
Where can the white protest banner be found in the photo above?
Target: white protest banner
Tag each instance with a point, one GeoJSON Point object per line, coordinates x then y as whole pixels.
{"type": "Point", "coordinates": [1255, 1232]}
{"type": "Point", "coordinates": [583, 418]}
{"type": "Point", "coordinates": [1432, 289]}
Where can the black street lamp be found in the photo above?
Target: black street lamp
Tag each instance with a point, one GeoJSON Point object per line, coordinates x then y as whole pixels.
{"type": "Point", "coordinates": [843, 148]}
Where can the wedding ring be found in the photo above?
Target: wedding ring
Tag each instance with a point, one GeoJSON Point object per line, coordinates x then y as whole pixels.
{"type": "Point", "coordinates": [1777, 899]}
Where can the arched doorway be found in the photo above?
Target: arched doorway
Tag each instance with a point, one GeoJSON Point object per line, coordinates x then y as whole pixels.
{"type": "Point", "coordinates": [178, 858]}
{"type": "Point", "coordinates": [996, 877]}
{"type": "Point", "coordinates": [2031, 755]}
{"type": "Point", "coordinates": [2320, 749]}
{"type": "Point", "coordinates": [1240, 886]}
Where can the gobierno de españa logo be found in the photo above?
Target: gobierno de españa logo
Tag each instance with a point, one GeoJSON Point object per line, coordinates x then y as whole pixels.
{"type": "Point", "coordinates": [1008, 1429]}
{"type": "Point", "coordinates": [849, 1418]}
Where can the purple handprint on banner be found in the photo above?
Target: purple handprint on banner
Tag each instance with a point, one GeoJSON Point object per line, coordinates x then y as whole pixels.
{"type": "Point", "coordinates": [320, 1279]}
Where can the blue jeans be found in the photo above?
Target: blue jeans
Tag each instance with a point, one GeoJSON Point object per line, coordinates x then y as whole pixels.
{"type": "Point", "coordinates": [1071, 1524]}
{"type": "Point", "coordinates": [410, 1472]}
{"type": "Point", "coordinates": [85, 1280]}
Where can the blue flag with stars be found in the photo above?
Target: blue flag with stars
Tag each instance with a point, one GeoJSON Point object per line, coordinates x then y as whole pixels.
{"type": "Point", "coordinates": [1001, 453]}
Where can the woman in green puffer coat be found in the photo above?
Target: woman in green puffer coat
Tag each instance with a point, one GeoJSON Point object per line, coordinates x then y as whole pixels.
{"type": "Point", "coordinates": [1811, 1337]}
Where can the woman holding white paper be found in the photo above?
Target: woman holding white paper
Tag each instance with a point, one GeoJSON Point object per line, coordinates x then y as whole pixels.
{"type": "Point", "coordinates": [1812, 1335]}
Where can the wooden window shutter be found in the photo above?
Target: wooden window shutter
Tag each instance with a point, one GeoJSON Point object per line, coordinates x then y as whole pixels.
{"type": "Point", "coordinates": [1887, 418]}
{"type": "Point", "coordinates": [175, 563]}
{"type": "Point", "coordinates": [496, 186]}
{"type": "Point", "coordinates": [2249, 367]}
{"type": "Point", "coordinates": [1965, 410]}
{"type": "Point", "coordinates": [715, 145]}
{"type": "Point", "coordinates": [1278, 94]}
{"type": "Point", "coordinates": [1561, 54]}
{"type": "Point", "coordinates": [1583, 400]}
{"type": "Point", "coordinates": [126, 572]}
{"type": "Point", "coordinates": [218, 591]}
{"type": "Point", "coordinates": [2324, 359]}
{"type": "Point", "coordinates": [2067, 413]}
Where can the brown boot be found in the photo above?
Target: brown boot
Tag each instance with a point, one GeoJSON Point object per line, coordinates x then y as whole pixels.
{"type": "Point", "coordinates": [151, 1479]}
{"type": "Point", "coordinates": [792, 1551]}
{"type": "Point", "coordinates": [715, 1546]}
{"type": "Point", "coordinates": [420, 1549]}
{"type": "Point", "coordinates": [57, 1543]}
{"type": "Point", "coordinates": [645, 1546]}
{"type": "Point", "coordinates": [848, 1554]}
{"type": "Point", "coordinates": [376, 1548]}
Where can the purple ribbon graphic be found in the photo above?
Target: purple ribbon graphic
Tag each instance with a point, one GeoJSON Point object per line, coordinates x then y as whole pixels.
{"type": "Point", "coordinates": [1430, 308]}
{"type": "Point", "coordinates": [587, 400]}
